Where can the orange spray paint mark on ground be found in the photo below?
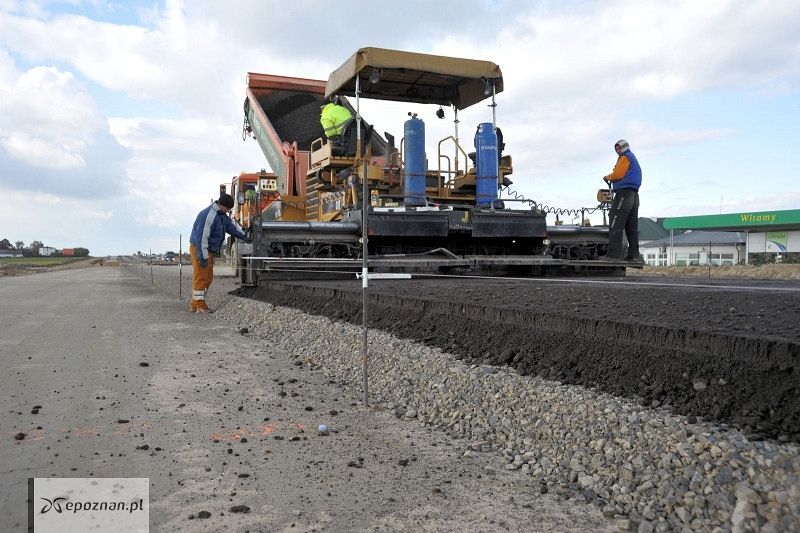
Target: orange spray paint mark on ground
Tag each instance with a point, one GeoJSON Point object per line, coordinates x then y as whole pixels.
{"type": "Point", "coordinates": [116, 430]}
{"type": "Point", "coordinates": [262, 430]}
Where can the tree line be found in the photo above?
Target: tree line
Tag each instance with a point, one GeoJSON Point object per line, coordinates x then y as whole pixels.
{"type": "Point", "coordinates": [33, 249]}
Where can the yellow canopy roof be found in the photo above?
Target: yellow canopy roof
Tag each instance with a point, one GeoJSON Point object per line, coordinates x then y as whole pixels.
{"type": "Point", "coordinates": [413, 77]}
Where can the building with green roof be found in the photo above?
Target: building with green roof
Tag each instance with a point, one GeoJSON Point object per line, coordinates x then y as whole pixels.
{"type": "Point", "coordinates": [774, 233]}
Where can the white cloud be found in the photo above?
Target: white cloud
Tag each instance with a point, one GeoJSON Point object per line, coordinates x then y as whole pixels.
{"type": "Point", "coordinates": [110, 54]}
{"type": "Point", "coordinates": [653, 139]}
{"type": "Point", "coordinates": [43, 154]}
{"type": "Point", "coordinates": [101, 226]}
{"type": "Point", "coordinates": [98, 214]}
{"type": "Point", "coordinates": [770, 202]}
{"type": "Point", "coordinates": [659, 85]}
{"type": "Point", "coordinates": [47, 119]}
{"type": "Point", "coordinates": [27, 7]}
{"type": "Point", "coordinates": [8, 72]}
{"type": "Point", "coordinates": [582, 66]}
{"type": "Point", "coordinates": [34, 220]}
{"type": "Point", "coordinates": [175, 137]}
{"type": "Point", "coordinates": [178, 58]}
{"type": "Point", "coordinates": [52, 135]}
{"type": "Point", "coordinates": [178, 165]}
{"type": "Point", "coordinates": [573, 74]}
{"type": "Point", "coordinates": [653, 49]}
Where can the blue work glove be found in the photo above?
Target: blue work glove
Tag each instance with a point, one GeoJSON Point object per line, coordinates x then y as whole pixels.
{"type": "Point", "coordinates": [203, 262]}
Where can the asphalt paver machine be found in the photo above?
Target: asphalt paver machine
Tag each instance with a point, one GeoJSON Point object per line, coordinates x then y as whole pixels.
{"type": "Point", "coordinates": [329, 200]}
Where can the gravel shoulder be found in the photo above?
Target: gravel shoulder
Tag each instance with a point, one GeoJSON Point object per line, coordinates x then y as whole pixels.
{"type": "Point", "coordinates": [221, 417]}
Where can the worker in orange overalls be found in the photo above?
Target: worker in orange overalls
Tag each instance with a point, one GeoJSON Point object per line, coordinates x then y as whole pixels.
{"type": "Point", "coordinates": [208, 234]}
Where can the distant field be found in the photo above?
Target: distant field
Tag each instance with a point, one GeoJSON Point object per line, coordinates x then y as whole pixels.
{"type": "Point", "coordinates": [39, 261]}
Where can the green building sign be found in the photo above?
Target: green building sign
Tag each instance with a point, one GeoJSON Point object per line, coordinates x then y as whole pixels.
{"type": "Point", "coordinates": [763, 220]}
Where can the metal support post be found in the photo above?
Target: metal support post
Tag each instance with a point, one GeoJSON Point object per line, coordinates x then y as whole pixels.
{"type": "Point", "coordinates": [747, 247]}
{"type": "Point", "coordinates": [365, 249]}
{"type": "Point", "coordinates": [494, 108]}
{"type": "Point", "coordinates": [709, 260]}
{"type": "Point", "coordinates": [671, 258]}
{"type": "Point", "coordinates": [180, 266]}
{"type": "Point", "coordinates": [455, 122]}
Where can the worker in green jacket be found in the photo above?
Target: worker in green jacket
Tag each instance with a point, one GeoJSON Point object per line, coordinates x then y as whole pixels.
{"type": "Point", "coordinates": [334, 118]}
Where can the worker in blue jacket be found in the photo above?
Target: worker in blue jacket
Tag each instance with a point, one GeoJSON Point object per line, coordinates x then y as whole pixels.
{"type": "Point", "coordinates": [626, 178]}
{"type": "Point", "coordinates": [208, 234]}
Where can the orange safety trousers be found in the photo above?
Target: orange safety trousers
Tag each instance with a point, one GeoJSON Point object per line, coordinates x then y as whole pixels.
{"type": "Point", "coordinates": [201, 279]}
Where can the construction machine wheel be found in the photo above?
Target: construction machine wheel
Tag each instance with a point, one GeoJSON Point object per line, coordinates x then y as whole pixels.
{"type": "Point", "coordinates": [230, 250]}
{"type": "Point", "coordinates": [242, 269]}
{"type": "Point", "coordinates": [233, 256]}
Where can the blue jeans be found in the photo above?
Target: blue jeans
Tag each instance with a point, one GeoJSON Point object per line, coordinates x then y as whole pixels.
{"type": "Point", "coordinates": [624, 217]}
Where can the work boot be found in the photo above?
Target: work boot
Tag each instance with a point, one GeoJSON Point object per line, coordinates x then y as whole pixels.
{"type": "Point", "coordinates": [639, 260]}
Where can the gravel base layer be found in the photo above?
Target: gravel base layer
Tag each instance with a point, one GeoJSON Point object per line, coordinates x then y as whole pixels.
{"type": "Point", "coordinates": [726, 356]}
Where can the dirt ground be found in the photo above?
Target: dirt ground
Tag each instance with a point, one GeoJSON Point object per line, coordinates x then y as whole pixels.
{"type": "Point", "coordinates": [109, 376]}
{"type": "Point", "coordinates": [12, 269]}
{"type": "Point", "coordinates": [723, 352]}
{"type": "Point", "coordinates": [775, 271]}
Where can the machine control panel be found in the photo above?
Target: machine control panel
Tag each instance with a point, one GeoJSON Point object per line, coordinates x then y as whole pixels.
{"type": "Point", "coordinates": [268, 184]}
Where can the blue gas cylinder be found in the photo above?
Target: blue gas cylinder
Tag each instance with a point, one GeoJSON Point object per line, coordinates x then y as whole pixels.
{"type": "Point", "coordinates": [414, 162]}
{"type": "Point", "coordinates": [486, 171]}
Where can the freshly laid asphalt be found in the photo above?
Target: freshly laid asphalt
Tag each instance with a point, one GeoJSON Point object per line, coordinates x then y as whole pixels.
{"type": "Point", "coordinates": [725, 350]}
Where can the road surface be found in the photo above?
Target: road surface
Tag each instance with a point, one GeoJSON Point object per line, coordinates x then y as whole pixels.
{"type": "Point", "coordinates": [227, 420]}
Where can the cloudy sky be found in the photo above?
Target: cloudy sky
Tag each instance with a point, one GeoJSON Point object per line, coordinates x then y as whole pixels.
{"type": "Point", "coordinates": [119, 120]}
